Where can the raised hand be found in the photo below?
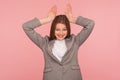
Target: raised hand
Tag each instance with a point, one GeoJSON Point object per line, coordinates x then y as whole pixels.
{"type": "Point", "coordinates": [68, 13]}
{"type": "Point", "coordinates": [52, 13]}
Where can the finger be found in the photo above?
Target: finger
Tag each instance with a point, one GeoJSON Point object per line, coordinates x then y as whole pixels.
{"type": "Point", "coordinates": [69, 8]}
{"type": "Point", "coordinates": [54, 9]}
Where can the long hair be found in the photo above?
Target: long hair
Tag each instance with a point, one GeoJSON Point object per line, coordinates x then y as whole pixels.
{"type": "Point", "coordinates": [59, 19]}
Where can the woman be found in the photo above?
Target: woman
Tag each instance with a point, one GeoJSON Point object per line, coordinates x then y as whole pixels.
{"type": "Point", "coordinates": [61, 48]}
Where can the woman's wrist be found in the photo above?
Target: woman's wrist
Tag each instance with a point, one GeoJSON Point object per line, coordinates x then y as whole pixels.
{"type": "Point", "coordinates": [45, 20]}
{"type": "Point", "coordinates": [73, 20]}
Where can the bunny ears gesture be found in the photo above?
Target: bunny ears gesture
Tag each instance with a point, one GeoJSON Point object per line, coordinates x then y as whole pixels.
{"type": "Point", "coordinates": [68, 12]}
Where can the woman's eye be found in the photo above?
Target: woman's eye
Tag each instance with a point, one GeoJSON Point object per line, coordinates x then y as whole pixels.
{"type": "Point", "coordinates": [57, 29]}
{"type": "Point", "coordinates": [61, 30]}
{"type": "Point", "coordinates": [64, 29]}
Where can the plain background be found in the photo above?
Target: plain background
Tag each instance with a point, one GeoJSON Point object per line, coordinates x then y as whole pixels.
{"type": "Point", "coordinates": [20, 59]}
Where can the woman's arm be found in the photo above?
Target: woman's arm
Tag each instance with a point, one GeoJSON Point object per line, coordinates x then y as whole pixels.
{"type": "Point", "coordinates": [30, 25]}
{"type": "Point", "coordinates": [86, 23]}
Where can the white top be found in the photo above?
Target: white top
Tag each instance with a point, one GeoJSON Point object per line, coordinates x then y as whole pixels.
{"type": "Point", "coordinates": [59, 49]}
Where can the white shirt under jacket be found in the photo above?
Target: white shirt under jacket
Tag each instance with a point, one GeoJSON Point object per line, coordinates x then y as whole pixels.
{"type": "Point", "coordinates": [59, 49]}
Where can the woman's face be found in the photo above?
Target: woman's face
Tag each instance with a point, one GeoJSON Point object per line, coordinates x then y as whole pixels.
{"type": "Point", "coordinates": [60, 31]}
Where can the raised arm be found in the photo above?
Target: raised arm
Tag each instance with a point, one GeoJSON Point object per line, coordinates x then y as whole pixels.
{"type": "Point", "coordinates": [30, 25]}
{"type": "Point", "coordinates": [86, 23]}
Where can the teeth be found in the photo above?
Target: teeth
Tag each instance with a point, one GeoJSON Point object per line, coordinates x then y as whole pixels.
{"type": "Point", "coordinates": [60, 36]}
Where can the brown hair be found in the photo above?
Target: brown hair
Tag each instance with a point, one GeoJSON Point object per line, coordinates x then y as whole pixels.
{"type": "Point", "coordinates": [59, 19]}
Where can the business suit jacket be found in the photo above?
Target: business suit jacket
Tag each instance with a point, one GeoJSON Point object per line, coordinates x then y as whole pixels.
{"type": "Point", "coordinates": [68, 68]}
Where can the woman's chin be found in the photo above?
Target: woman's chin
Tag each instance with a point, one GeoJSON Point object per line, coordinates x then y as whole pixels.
{"type": "Point", "coordinates": [60, 38]}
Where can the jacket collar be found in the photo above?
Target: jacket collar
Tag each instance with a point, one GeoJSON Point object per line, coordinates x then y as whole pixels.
{"type": "Point", "coordinates": [69, 42]}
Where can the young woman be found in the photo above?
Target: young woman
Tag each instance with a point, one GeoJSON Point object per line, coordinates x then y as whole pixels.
{"type": "Point", "coordinates": [61, 47]}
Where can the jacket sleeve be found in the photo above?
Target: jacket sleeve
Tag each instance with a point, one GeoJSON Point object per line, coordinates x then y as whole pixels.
{"type": "Point", "coordinates": [87, 25]}
{"type": "Point", "coordinates": [29, 27]}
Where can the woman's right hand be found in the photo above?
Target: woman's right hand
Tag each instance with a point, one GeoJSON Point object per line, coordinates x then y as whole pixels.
{"type": "Point", "coordinates": [52, 13]}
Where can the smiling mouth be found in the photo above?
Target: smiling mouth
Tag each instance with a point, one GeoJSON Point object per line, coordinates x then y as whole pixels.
{"type": "Point", "coordinates": [60, 36]}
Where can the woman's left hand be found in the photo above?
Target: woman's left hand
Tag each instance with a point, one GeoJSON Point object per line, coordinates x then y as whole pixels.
{"type": "Point", "coordinates": [69, 14]}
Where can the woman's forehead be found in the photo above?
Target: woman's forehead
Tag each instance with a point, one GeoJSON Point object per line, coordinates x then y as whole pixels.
{"type": "Point", "coordinates": [60, 25]}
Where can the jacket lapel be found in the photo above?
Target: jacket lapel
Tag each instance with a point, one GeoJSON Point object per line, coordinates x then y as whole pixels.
{"type": "Point", "coordinates": [50, 46]}
{"type": "Point", "coordinates": [69, 43]}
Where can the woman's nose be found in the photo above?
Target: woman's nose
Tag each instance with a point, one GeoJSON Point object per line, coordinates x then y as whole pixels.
{"type": "Point", "coordinates": [61, 32]}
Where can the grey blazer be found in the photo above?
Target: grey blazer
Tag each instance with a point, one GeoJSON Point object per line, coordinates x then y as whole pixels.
{"type": "Point", "coordinates": [68, 68]}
